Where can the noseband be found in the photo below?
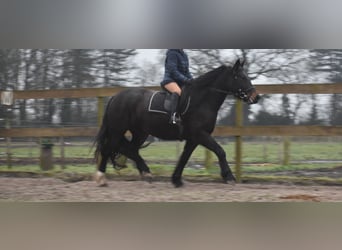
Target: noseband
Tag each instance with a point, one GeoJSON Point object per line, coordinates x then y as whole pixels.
{"type": "Point", "coordinates": [243, 94]}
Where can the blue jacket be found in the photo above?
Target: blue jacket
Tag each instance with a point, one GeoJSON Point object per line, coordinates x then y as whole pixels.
{"type": "Point", "coordinates": [176, 67]}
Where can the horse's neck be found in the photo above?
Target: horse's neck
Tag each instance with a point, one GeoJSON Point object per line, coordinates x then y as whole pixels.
{"type": "Point", "coordinates": [208, 97]}
{"type": "Point", "coordinates": [217, 92]}
{"type": "Point", "coordinates": [209, 94]}
{"type": "Point", "coordinates": [216, 99]}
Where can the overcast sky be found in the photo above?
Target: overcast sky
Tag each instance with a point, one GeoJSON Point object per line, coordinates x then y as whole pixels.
{"type": "Point", "coordinates": [144, 55]}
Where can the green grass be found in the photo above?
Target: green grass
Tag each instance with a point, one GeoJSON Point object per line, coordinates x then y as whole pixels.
{"type": "Point", "coordinates": [260, 173]}
{"type": "Point", "coordinates": [157, 170]}
{"type": "Point", "coordinates": [252, 152]}
{"type": "Point", "coordinates": [162, 156]}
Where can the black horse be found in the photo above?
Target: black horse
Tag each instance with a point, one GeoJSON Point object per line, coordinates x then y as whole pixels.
{"type": "Point", "coordinates": [129, 111]}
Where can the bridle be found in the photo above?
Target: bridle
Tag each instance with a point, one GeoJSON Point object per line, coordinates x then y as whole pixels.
{"type": "Point", "coordinates": [242, 94]}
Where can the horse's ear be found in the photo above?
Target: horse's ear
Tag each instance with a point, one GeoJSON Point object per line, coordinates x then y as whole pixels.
{"type": "Point", "coordinates": [237, 66]}
{"type": "Point", "coordinates": [242, 63]}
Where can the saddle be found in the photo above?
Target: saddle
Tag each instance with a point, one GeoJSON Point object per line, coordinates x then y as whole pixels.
{"type": "Point", "coordinates": [160, 103]}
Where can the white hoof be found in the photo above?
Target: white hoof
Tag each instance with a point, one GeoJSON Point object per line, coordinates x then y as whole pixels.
{"type": "Point", "coordinates": [100, 179]}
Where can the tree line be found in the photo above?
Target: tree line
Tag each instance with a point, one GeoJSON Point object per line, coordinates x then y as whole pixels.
{"type": "Point", "coordinates": [25, 69]}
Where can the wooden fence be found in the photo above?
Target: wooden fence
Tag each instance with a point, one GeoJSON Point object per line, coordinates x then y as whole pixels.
{"type": "Point", "coordinates": [238, 130]}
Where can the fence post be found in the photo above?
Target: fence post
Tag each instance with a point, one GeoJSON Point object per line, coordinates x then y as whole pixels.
{"type": "Point", "coordinates": [9, 152]}
{"type": "Point", "coordinates": [46, 154]}
{"type": "Point", "coordinates": [208, 161]}
{"type": "Point", "coordinates": [286, 150]}
{"type": "Point", "coordinates": [62, 152]}
{"type": "Point", "coordinates": [8, 140]}
{"type": "Point", "coordinates": [100, 112]}
{"type": "Point", "coordinates": [7, 99]}
{"type": "Point", "coordinates": [264, 149]}
{"type": "Point", "coordinates": [238, 140]}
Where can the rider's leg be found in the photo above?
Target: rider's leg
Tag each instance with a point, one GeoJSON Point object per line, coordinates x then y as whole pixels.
{"type": "Point", "coordinates": [176, 91]}
{"type": "Point", "coordinates": [173, 87]}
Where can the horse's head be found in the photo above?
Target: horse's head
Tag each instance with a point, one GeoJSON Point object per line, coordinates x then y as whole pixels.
{"type": "Point", "coordinates": [242, 86]}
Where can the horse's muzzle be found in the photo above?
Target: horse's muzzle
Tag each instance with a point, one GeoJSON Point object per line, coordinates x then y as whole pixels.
{"type": "Point", "coordinates": [253, 97]}
{"type": "Point", "coordinates": [250, 96]}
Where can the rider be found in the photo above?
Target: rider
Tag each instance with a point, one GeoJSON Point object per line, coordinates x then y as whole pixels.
{"type": "Point", "coordinates": [177, 74]}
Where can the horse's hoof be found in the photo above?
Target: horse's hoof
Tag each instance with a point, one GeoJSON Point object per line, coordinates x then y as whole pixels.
{"type": "Point", "coordinates": [147, 177]}
{"type": "Point", "coordinates": [177, 182]}
{"type": "Point", "coordinates": [229, 179]}
{"type": "Point", "coordinates": [230, 182]}
{"type": "Point", "coordinates": [100, 179]}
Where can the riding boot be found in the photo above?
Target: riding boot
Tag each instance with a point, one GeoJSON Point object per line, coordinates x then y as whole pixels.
{"type": "Point", "coordinates": [174, 104]}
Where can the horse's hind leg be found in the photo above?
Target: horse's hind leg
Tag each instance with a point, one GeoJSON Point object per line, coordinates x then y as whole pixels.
{"type": "Point", "coordinates": [131, 150]}
{"type": "Point", "coordinates": [100, 173]}
{"type": "Point", "coordinates": [101, 169]}
{"type": "Point", "coordinates": [109, 147]}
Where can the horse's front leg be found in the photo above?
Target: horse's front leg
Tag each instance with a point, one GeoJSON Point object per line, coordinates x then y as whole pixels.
{"type": "Point", "coordinates": [208, 141]}
{"type": "Point", "coordinates": [177, 174]}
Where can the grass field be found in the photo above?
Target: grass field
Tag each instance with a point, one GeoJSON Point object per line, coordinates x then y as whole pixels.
{"type": "Point", "coordinates": [269, 152]}
{"type": "Point", "coordinates": [162, 156]}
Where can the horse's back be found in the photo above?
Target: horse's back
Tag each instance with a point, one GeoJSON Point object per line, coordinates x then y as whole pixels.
{"type": "Point", "coordinates": [130, 97]}
{"type": "Point", "coordinates": [127, 106]}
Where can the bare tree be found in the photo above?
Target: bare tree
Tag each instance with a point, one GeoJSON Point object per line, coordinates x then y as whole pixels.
{"type": "Point", "coordinates": [151, 72]}
{"type": "Point", "coordinates": [113, 66]}
{"type": "Point", "coordinates": [329, 61]}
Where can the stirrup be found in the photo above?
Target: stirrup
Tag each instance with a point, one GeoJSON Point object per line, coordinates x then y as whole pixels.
{"type": "Point", "coordinates": [175, 119]}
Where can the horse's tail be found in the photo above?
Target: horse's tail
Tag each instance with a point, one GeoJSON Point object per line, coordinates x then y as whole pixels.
{"type": "Point", "coordinates": [100, 141]}
{"type": "Point", "coordinates": [101, 138]}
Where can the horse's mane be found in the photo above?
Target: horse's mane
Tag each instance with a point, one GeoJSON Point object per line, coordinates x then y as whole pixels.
{"type": "Point", "coordinates": [209, 77]}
